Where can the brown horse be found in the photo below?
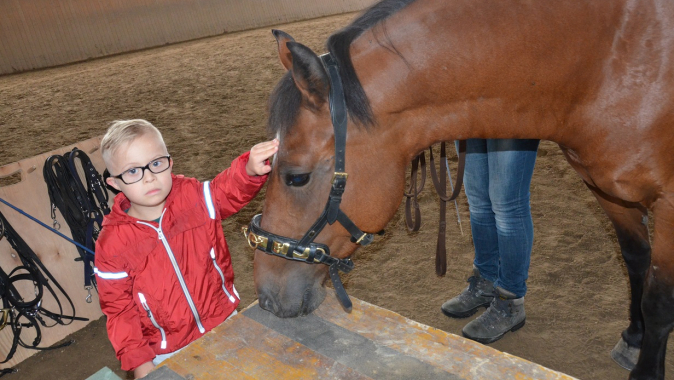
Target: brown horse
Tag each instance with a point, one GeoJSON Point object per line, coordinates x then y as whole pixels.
{"type": "Point", "coordinates": [597, 77]}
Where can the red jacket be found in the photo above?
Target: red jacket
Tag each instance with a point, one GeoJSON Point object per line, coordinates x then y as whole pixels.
{"type": "Point", "coordinates": [162, 287]}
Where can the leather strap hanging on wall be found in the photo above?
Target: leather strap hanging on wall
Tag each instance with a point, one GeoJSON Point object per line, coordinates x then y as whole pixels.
{"type": "Point", "coordinates": [82, 207]}
{"type": "Point", "coordinates": [21, 311]}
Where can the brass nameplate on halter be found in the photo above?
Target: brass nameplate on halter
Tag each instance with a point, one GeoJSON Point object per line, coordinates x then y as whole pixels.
{"type": "Point", "coordinates": [280, 248]}
{"type": "Point", "coordinates": [256, 241]}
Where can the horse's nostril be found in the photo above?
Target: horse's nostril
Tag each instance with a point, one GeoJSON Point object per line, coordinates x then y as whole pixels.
{"type": "Point", "coordinates": [266, 303]}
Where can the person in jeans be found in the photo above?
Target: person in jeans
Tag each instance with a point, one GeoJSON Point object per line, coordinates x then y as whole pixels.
{"type": "Point", "coordinates": [497, 179]}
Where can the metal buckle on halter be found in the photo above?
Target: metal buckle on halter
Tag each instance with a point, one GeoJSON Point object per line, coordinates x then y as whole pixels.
{"type": "Point", "coordinates": [363, 236]}
{"type": "Point", "coordinates": [254, 240]}
{"type": "Point", "coordinates": [340, 175]}
{"type": "Point", "coordinates": [304, 255]}
{"type": "Point", "coordinates": [322, 251]}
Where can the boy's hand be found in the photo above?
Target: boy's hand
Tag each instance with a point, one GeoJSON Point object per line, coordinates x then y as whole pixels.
{"type": "Point", "coordinates": [142, 370]}
{"type": "Point", "coordinates": [259, 154]}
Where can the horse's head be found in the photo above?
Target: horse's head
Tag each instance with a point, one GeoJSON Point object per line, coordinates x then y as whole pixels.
{"type": "Point", "coordinates": [304, 178]}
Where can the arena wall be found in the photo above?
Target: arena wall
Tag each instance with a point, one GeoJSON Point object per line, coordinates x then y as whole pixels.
{"type": "Point", "coordinates": [36, 34]}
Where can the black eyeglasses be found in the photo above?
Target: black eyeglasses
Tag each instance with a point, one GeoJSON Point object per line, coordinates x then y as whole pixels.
{"type": "Point", "coordinates": [155, 166]}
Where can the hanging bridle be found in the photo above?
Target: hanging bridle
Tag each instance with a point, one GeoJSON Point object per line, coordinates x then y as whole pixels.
{"type": "Point", "coordinates": [305, 249]}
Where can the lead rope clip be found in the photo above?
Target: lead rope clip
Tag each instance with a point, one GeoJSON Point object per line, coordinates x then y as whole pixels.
{"type": "Point", "coordinates": [88, 298]}
{"type": "Point", "coordinates": [56, 225]}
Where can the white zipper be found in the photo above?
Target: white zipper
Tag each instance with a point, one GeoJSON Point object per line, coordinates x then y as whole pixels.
{"type": "Point", "coordinates": [222, 277]}
{"type": "Point", "coordinates": [177, 270]}
{"type": "Point", "coordinates": [154, 321]}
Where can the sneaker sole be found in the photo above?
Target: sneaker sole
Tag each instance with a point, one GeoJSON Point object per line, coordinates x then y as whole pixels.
{"type": "Point", "coordinates": [464, 314]}
{"type": "Point", "coordinates": [495, 338]}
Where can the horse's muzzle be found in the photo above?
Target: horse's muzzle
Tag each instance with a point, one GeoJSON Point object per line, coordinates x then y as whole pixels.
{"type": "Point", "coordinates": [283, 307]}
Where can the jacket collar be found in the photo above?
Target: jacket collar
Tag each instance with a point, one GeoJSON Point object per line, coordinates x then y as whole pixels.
{"type": "Point", "coordinates": [118, 216]}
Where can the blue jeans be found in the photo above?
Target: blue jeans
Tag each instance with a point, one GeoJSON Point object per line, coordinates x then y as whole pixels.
{"type": "Point", "coordinates": [497, 178]}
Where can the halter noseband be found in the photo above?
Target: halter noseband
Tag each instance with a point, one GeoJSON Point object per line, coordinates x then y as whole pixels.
{"type": "Point", "coordinates": [305, 249]}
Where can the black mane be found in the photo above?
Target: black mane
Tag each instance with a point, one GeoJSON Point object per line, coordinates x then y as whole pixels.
{"type": "Point", "coordinates": [285, 100]}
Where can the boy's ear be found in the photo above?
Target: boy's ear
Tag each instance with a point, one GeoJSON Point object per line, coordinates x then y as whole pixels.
{"type": "Point", "coordinates": [111, 182]}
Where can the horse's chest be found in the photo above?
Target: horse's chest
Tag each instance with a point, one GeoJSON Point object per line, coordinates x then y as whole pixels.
{"type": "Point", "coordinates": [577, 163]}
{"type": "Point", "coordinates": [620, 180]}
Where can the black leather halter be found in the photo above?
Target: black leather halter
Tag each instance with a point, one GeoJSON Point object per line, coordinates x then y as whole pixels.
{"type": "Point", "coordinates": [305, 249]}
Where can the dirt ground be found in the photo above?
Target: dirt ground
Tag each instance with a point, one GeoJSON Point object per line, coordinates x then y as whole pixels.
{"type": "Point", "coordinates": [208, 97]}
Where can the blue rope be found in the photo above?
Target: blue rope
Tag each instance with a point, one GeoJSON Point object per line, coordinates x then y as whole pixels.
{"type": "Point", "coordinates": [46, 226]}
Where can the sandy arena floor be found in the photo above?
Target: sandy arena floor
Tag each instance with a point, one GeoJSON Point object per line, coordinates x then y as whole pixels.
{"type": "Point", "coordinates": [208, 97]}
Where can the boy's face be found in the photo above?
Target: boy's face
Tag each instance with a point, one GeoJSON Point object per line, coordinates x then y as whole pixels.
{"type": "Point", "coordinates": [148, 195]}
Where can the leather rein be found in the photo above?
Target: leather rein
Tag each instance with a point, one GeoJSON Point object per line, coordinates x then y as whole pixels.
{"type": "Point", "coordinates": [440, 183]}
{"type": "Point", "coordinates": [305, 249]}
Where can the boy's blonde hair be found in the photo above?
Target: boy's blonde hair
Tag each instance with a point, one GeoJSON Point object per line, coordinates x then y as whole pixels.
{"type": "Point", "coordinates": [122, 132]}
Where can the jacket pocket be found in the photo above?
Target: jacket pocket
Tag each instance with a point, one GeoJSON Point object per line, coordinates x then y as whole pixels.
{"type": "Point", "coordinates": [222, 278]}
{"type": "Point", "coordinates": [143, 302]}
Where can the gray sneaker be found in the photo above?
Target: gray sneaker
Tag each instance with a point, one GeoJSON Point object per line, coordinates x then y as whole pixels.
{"type": "Point", "coordinates": [479, 293]}
{"type": "Point", "coordinates": [505, 314]}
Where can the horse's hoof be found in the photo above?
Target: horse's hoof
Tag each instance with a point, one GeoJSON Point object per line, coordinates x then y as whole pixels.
{"type": "Point", "coordinates": [626, 356]}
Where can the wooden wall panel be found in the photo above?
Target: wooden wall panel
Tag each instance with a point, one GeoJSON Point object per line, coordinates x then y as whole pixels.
{"type": "Point", "coordinates": [43, 33]}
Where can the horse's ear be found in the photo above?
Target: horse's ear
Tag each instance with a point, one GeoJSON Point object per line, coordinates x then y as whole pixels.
{"type": "Point", "coordinates": [309, 75]}
{"type": "Point", "coordinates": [283, 53]}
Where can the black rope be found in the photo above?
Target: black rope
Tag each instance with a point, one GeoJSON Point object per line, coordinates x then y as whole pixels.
{"type": "Point", "coordinates": [7, 371]}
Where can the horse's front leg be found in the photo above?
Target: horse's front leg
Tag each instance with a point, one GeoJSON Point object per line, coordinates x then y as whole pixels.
{"type": "Point", "coordinates": [631, 225]}
{"type": "Point", "coordinates": [658, 299]}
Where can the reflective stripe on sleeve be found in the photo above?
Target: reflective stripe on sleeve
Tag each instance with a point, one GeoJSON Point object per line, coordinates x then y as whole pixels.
{"type": "Point", "coordinates": [110, 275]}
{"type": "Point", "coordinates": [209, 200]}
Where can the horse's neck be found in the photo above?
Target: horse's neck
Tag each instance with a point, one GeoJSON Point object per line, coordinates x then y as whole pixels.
{"type": "Point", "coordinates": [506, 71]}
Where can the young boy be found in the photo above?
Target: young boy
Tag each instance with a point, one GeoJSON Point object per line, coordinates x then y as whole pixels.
{"type": "Point", "coordinates": [164, 270]}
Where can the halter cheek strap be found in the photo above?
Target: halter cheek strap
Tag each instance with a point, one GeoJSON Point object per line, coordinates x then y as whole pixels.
{"type": "Point", "coordinates": [339, 115]}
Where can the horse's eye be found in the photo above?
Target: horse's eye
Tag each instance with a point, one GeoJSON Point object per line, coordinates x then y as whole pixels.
{"type": "Point", "coordinates": [297, 179]}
